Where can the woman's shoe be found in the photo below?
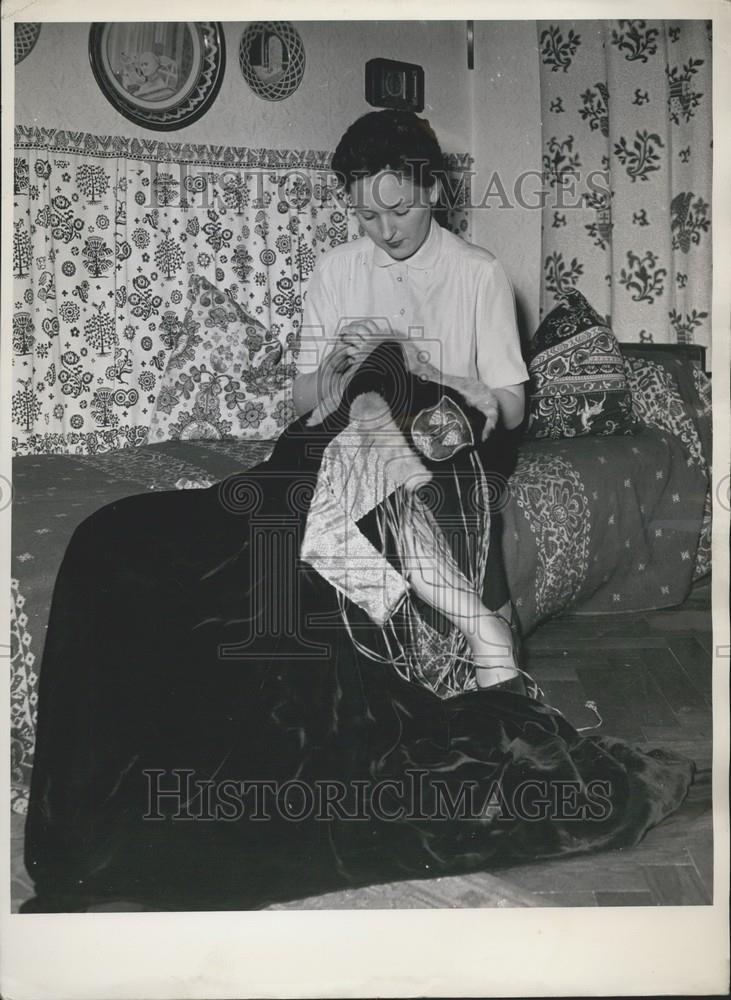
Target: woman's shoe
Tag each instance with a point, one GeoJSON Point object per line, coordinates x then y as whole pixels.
{"type": "Point", "coordinates": [516, 685]}
{"type": "Point", "coordinates": [522, 683]}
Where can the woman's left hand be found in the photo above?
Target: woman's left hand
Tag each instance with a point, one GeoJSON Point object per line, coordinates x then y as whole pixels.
{"type": "Point", "coordinates": [482, 398]}
{"type": "Point", "coordinates": [475, 393]}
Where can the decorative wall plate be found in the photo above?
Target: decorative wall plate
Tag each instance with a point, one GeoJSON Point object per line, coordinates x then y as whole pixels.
{"type": "Point", "coordinates": [162, 75]}
{"type": "Point", "coordinates": [26, 36]}
{"type": "Point", "coordinates": [272, 59]}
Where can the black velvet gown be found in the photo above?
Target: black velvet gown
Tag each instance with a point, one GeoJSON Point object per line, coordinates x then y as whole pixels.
{"type": "Point", "coordinates": [180, 661]}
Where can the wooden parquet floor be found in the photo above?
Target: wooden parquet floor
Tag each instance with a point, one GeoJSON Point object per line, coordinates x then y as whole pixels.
{"type": "Point", "coordinates": [650, 676]}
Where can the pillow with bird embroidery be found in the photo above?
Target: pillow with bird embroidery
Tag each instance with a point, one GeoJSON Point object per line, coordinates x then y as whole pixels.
{"type": "Point", "coordinates": [225, 374]}
{"type": "Point", "coordinates": [578, 381]}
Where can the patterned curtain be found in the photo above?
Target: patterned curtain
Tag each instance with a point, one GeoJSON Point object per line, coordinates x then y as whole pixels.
{"type": "Point", "coordinates": [108, 231]}
{"type": "Point", "coordinates": [627, 136]}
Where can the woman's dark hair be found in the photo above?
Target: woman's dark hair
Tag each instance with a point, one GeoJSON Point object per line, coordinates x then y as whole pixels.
{"type": "Point", "coordinates": [389, 140]}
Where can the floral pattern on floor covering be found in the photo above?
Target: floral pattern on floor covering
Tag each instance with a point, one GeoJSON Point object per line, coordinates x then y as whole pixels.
{"type": "Point", "coordinates": [106, 234]}
{"type": "Point", "coordinates": [627, 134]}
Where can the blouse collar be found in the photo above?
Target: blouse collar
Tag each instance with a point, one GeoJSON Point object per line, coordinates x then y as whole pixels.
{"type": "Point", "coordinates": [424, 258]}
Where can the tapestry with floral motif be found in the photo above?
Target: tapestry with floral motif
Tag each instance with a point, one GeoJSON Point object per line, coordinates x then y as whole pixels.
{"type": "Point", "coordinates": [107, 234]}
{"type": "Point", "coordinates": [627, 136]}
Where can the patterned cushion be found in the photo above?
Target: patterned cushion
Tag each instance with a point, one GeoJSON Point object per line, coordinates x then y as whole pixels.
{"type": "Point", "coordinates": [578, 383]}
{"type": "Point", "coordinates": [224, 377]}
{"type": "Point", "coordinates": [673, 395]}
{"type": "Point", "coordinates": [658, 403]}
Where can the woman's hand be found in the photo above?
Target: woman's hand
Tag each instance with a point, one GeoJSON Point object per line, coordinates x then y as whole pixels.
{"type": "Point", "coordinates": [357, 340]}
{"type": "Point", "coordinates": [479, 396]}
{"type": "Point", "coordinates": [475, 393]}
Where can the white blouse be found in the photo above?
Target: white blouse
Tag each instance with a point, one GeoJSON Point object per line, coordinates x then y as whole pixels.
{"type": "Point", "coordinates": [452, 296]}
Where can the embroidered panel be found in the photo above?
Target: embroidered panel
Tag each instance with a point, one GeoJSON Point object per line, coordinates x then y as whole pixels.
{"type": "Point", "coordinates": [108, 232]}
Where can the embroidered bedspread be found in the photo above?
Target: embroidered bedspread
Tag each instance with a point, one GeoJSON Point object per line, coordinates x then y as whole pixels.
{"type": "Point", "coordinates": [592, 525]}
{"type": "Point", "coordinates": [606, 524]}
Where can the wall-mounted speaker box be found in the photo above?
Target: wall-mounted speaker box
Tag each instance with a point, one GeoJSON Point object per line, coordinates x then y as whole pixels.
{"type": "Point", "coordinates": [393, 84]}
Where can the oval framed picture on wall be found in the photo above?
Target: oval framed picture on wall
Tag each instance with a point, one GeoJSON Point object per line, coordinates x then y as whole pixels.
{"type": "Point", "coordinates": [272, 59]}
{"type": "Point", "coordinates": [26, 36]}
{"type": "Point", "coordinates": [162, 75]}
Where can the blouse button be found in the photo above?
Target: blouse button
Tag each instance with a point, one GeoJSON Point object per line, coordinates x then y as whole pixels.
{"type": "Point", "coordinates": [399, 278]}
{"type": "Point", "coordinates": [402, 311]}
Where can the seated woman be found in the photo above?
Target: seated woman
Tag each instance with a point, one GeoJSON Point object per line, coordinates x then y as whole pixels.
{"type": "Point", "coordinates": [452, 306]}
{"type": "Point", "coordinates": [231, 711]}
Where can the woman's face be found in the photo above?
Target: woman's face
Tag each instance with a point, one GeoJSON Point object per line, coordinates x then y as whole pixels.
{"type": "Point", "coordinates": [148, 63]}
{"type": "Point", "coordinates": [394, 211]}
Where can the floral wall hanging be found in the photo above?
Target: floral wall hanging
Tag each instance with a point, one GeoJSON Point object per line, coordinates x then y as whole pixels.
{"type": "Point", "coordinates": [628, 104]}
{"type": "Point", "coordinates": [109, 233]}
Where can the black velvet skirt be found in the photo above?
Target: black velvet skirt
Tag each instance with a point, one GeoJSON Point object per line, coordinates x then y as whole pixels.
{"type": "Point", "coordinates": [211, 737]}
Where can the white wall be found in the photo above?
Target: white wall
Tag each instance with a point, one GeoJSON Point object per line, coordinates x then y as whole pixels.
{"type": "Point", "coordinates": [55, 86]}
{"type": "Point", "coordinates": [507, 140]}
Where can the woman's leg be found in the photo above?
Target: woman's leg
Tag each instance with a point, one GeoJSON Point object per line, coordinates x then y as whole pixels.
{"type": "Point", "coordinates": [499, 455]}
{"type": "Point", "coordinates": [435, 577]}
{"type": "Point", "coordinates": [495, 593]}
